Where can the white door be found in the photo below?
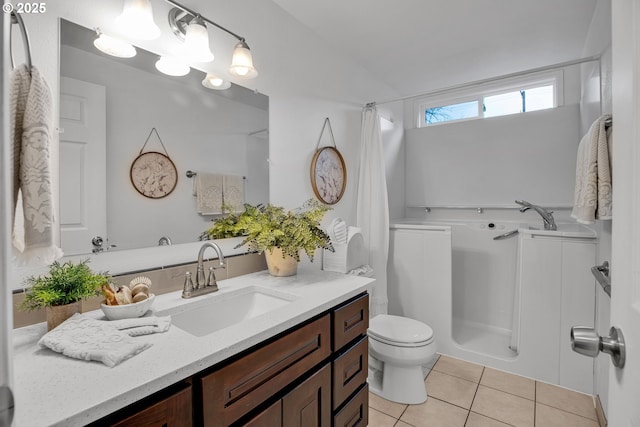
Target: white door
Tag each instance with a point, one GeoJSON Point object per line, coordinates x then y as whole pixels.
{"type": "Point", "coordinates": [624, 384]}
{"type": "Point", "coordinates": [83, 198]}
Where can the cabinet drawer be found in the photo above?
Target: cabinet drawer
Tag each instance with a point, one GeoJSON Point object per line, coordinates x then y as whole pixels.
{"type": "Point", "coordinates": [173, 411]}
{"type": "Point", "coordinates": [355, 412]}
{"type": "Point", "coordinates": [239, 387]}
{"type": "Point", "coordinates": [350, 372]}
{"type": "Point", "coordinates": [350, 321]}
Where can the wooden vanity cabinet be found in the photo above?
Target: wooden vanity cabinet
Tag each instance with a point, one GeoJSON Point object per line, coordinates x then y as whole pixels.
{"type": "Point", "coordinates": [336, 393]}
{"type": "Point", "coordinates": [313, 375]}
{"type": "Point", "coordinates": [171, 407]}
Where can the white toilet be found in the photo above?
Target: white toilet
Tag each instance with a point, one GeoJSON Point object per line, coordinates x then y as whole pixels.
{"type": "Point", "coordinates": [398, 347]}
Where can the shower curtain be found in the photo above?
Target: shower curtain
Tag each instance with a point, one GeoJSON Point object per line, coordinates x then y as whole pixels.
{"type": "Point", "coordinates": [373, 206]}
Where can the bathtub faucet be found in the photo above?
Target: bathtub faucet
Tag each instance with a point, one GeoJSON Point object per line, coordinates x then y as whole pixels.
{"type": "Point", "coordinates": [547, 216]}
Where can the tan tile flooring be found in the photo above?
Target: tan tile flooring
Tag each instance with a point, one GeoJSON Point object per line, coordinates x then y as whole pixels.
{"type": "Point", "coordinates": [463, 394]}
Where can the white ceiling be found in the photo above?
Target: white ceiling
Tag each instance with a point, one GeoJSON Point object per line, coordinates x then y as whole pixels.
{"type": "Point", "coordinates": [416, 46]}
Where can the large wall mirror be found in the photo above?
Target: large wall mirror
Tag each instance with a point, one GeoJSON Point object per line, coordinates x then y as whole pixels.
{"type": "Point", "coordinates": [108, 108]}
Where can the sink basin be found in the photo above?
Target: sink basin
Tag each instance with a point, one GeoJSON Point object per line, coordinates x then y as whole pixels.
{"type": "Point", "coordinates": [213, 312]}
{"type": "Point", "coordinates": [570, 230]}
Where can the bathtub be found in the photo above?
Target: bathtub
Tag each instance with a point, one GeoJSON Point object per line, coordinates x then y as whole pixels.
{"type": "Point", "coordinates": [497, 302]}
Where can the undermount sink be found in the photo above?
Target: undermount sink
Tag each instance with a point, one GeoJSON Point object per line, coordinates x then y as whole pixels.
{"type": "Point", "coordinates": [217, 311]}
{"type": "Point", "coordinates": [564, 230]}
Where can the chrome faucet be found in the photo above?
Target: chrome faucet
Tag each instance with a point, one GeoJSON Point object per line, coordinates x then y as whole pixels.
{"type": "Point", "coordinates": [202, 285]}
{"type": "Point", "coordinates": [547, 216]}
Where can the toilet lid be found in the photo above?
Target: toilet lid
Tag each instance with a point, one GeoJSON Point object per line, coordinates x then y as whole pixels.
{"type": "Point", "coordinates": [401, 330]}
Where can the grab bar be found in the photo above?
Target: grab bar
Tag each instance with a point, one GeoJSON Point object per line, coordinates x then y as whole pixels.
{"type": "Point", "coordinates": [601, 273]}
{"type": "Point", "coordinates": [506, 235]}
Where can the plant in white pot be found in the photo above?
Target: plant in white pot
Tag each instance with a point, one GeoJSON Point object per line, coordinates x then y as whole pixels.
{"type": "Point", "coordinates": [61, 291]}
{"type": "Point", "coordinates": [280, 234]}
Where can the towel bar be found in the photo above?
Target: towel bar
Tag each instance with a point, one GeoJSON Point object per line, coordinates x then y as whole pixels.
{"type": "Point", "coordinates": [191, 174]}
{"type": "Point", "coordinates": [601, 273]}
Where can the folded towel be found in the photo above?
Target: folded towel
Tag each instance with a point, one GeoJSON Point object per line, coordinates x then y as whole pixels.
{"type": "Point", "coordinates": [592, 197]}
{"type": "Point", "coordinates": [81, 337]}
{"type": "Point", "coordinates": [233, 193]}
{"type": "Point", "coordinates": [109, 342]}
{"type": "Point", "coordinates": [31, 136]}
{"type": "Point", "coordinates": [142, 325]}
{"type": "Point", "coordinates": [207, 188]}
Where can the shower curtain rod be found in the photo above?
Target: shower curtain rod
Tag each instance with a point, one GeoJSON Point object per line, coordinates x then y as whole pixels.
{"type": "Point", "coordinates": [489, 80]}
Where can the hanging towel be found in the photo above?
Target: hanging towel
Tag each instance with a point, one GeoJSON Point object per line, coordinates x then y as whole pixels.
{"type": "Point", "coordinates": [207, 188]}
{"type": "Point", "coordinates": [592, 197]}
{"type": "Point", "coordinates": [233, 193]}
{"type": "Point", "coordinates": [109, 342]}
{"type": "Point", "coordinates": [31, 138]}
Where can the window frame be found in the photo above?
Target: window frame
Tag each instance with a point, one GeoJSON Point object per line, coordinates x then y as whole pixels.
{"type": "Point", "coordinates": [480, 91]}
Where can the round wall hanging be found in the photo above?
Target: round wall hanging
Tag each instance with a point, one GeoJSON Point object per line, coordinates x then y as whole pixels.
{"type": "Point", "coordinates": [328, 171]}
{"type": "Point", "coordinates": [153, 174]}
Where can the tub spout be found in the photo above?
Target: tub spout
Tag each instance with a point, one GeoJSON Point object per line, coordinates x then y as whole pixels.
{"type": "Point", "coordinates": [547, 216]}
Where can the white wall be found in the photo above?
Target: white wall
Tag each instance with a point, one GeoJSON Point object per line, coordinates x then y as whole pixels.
{"type": "Point", "coordinates": [494, 161]}
{"type": "Point", "coordinates": [392, 127]}
{"type": "Point", "coordinates": [306, 80]}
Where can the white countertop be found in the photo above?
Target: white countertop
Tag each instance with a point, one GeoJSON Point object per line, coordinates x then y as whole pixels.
{"type": "Point", "coordinates": [51, 389]}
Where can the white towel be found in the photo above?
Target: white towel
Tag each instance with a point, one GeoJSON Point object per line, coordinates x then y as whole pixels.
{"type": "Point", "coordinates": [142, 325]}
{"type": "Point", "coordinates": [81, 337]}
{"type": "Point", "coordinates": [233, 193]}
{"type": "Point", "coordinates": [592, 197]}
{"type": "Point", "coordinates": [31, 137]}
{"type": "Point", "coordinates": [207, 188]}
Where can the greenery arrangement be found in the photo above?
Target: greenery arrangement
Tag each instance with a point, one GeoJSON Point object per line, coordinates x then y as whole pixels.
{"type": "Point", "coordinates": [267, 227]}
{"type": "Point", "coordinates": [65, 284]}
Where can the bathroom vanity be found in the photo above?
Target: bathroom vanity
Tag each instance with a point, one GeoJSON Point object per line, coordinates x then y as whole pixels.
{"type": "Point", "coordinates": [304, 360]}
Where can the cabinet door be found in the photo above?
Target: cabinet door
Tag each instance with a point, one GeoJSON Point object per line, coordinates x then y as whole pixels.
{"type": "Point", "coordinates": [174, 411]}
{"type": "Point", "coordinates": [309, 404]}
{"type": "Point", "coordinates": [270, 417]}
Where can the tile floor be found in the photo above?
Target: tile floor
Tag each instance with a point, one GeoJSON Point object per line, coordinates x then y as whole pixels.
{"type": "Point", "coordinates": [463, 394]}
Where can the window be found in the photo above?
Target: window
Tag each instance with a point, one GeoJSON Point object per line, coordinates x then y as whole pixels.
{"type": "Point", "coordinates": [510, 96]}
{"type": "Point", "coordinates": [447, 113]}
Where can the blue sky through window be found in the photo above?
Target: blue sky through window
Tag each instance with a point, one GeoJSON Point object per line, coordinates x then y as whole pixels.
{"type": "Point", "coordinates": [518, 101]}
{"type": "Point", "coordinates": [447, 113]}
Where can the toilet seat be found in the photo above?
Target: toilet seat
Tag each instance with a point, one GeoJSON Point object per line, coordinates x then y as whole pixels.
{"type": "Point", "coordinates": [400, 331]}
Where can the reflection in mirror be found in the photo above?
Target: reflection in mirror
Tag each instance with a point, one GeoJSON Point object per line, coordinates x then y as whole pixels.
{"type": "Point", "coordinates": [108, 108]}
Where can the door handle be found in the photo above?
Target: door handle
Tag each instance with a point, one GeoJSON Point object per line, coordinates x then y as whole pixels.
{"type": "Point", "coordinates": [7, 406]}
{"type": "Point", "coordinates": [586, 341]}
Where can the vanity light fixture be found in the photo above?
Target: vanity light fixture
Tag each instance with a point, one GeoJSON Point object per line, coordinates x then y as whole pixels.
{"type": "Point", "coordinates": [172, 66]}
{"type": "Point", "coordinates": [136, 20]}
{"type": "Point", "coordinates": [211, 81]}
{"type": "Point", "coordinates": [196, 42]}
{"type": "Point", "coordinates": [242, 62]}
{"type": "Point", "coordinates": [113, 46]}
{"type": "Point", "coordinates": [181, 20]}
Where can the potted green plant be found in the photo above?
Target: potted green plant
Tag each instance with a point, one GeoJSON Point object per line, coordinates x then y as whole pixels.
{"type": "Point", "coordinates": [61, 291]}
{"type": "Point", "coordinates": [279, 233]}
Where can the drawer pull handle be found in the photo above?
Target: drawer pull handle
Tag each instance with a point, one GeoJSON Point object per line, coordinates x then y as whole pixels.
{"type": "Point", "coordinates": [272, 370]}
{"type": "Point", "coordinates": [352, 370]}
{"type": "Point", "coordinates": [353, 321]}
{"type": "Point", "coordinates": [356, 419]}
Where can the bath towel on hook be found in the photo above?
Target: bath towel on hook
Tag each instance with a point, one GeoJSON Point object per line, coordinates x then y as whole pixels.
{"type": "Point", "coordinates": [592, 197]}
